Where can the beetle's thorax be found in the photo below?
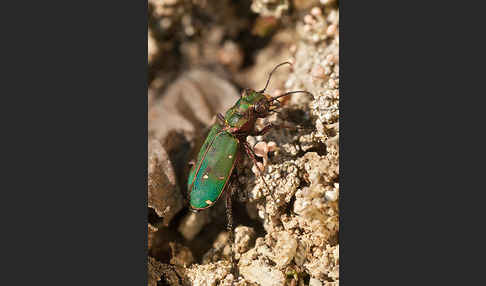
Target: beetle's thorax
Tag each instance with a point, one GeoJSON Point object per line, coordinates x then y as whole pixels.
{"type": "Point", "coordinates": [241, 117]}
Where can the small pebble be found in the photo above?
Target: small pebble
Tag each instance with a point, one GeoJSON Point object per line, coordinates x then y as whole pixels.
{"type": "Point", "coordinates": [331, 196]}
{"type": "Point", "coordinates": [316, 11]}
{"type": "Point", "coordinates": [318, 71]}
{"type": "Point", "coordinates": [308, 19]}
{"type": "Point", "coordinates": [331, 30]}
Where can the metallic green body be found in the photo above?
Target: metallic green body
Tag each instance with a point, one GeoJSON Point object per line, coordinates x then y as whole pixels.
{"type": "Point", "coordinates": [210, 174]}
{"type": "Point", "coordinates": [215, 162]}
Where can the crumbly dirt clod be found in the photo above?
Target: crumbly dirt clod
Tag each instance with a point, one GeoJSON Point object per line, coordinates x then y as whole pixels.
{"type": "Point", "coordinates": [201, 53]}
{"type": "Point", "coordinates": [273, 8]}
{"type": "Point", "coordinates": [164, 196]}
{"type": "Point", "coordinates": [244, 238]}
{"type": "Point", "coordinates": [181, 255]}
{"type": "Point", "coordinates": [211, 274]}
{"type": "Point", "coordinates": [161, 272]}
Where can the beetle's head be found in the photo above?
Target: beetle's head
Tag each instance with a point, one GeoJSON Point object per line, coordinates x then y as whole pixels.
{"type": "Point", "coordinates": [258, 101]}
{"type": "Point", "coordinates": [262, 106]}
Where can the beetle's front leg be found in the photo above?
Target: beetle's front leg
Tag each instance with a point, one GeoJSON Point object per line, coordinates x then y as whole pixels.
{"type": "Point", "coordinates": [264, 130]}
{"type": "Point", "coordinates": [267, 127]}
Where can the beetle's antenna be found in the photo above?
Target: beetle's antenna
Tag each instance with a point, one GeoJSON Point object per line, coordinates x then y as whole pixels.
{"type": "Point", "coordinates": [290, 92]}
{"type": "Point", "coordinates": [270, 75]}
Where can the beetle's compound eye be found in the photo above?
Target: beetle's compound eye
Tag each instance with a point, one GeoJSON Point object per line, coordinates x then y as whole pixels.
{"type": "Point", "coordinates": [261, 107]}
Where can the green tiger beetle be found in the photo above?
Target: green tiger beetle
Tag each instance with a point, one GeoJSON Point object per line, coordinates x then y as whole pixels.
{"type": "Point", "coordinates": [211, 173]}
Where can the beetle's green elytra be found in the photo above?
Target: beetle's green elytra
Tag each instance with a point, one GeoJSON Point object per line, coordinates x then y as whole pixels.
{"type": "Point", "coordinates": [209, 176]}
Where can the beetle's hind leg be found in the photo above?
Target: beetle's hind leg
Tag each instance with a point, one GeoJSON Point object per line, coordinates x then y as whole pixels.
{"type": "Point", "coordinates": [231, 235]}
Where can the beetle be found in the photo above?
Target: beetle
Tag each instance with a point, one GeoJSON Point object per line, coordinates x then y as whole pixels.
{"type": "Point", "coordinates": [211, 173]}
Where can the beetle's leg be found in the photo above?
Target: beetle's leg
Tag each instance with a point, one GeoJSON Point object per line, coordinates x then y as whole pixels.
{"type": "Point", "coordinates": [266, 128]}
{"type": "Point", "coordinates": [229, 215]}
{"type": "Point", "coordinates": [221, 118]}
{"type": "Point", "coordinates": [187, 195]}
{"type": "Point", "coordinates": [231, 236]}
{"type": "Point", "coordinates": [251, 154]}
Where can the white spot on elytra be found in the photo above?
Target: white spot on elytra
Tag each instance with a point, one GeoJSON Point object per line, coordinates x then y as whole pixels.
{"type": "Point", "coordinates": [205, 176]}
{"type": "Point", "coordinates": [221, 178]}
{"type": "Point", "coordinates": [209, 202]}
{"type": "Point", "coordinates": [230, 156]}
